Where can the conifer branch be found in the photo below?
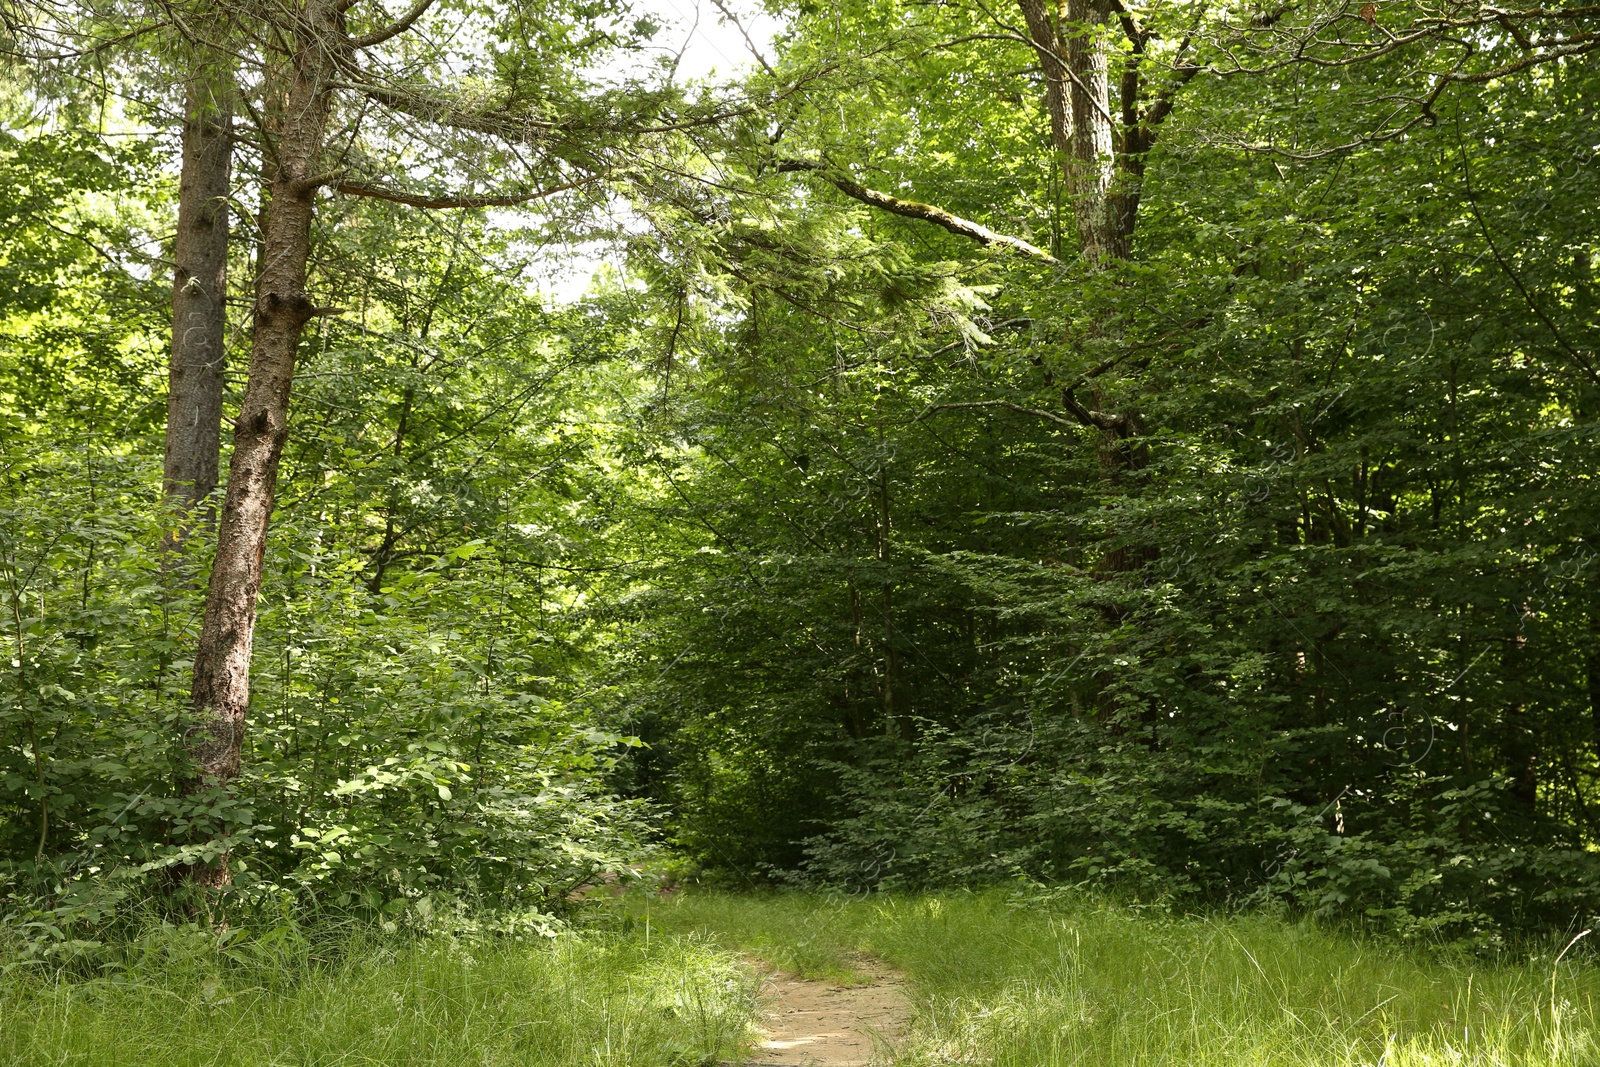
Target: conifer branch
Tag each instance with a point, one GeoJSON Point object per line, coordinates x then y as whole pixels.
{"type": "Point", "coordinates": [444, 203]}
{"type": "Point", "coordinates": [394, 29]}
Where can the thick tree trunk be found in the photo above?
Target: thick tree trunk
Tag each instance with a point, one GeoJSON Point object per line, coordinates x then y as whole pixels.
{"type": "Point", "coordinates": [1592, 664]}
{"type": "Point", "coordinates": [1047, 45]}
{"type": "Point", "coordinates": [199, 291]}
{"type": "Point", "coordinates": [221, 692]}
{"type": "Point", "coordinates": [1074, 57]}
{"type": "Point", "coordinates": [1091, 166]}
{"type": "Point", "coordinates": [1074, 52]}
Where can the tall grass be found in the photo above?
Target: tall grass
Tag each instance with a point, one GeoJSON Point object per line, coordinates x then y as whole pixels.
{"type": "Point", "coordinates": [594, 999]}
{"type": "Point", "coordinates": [1084, 983]}
{"type": "Point", "coordinates": [1080, 983]}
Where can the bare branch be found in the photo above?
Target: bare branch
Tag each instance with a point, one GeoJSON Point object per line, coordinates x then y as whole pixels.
{"type": "Point", "coordinates": [911, 209]}
{"type": "Point", "coordinates": [751, 45]}
{"type": "Point", "coordinates": [1009, 406]}
{"type": "Point", "coordinates": [317, 181]}
{"type": "Point", "coordinates": [394, 29]}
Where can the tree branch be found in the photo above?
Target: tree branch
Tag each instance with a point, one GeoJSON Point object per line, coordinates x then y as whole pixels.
{"type": "Point", "coordinates": [1008, 405]}
{"type": "Point", "coordinates": [1494, 250]}
{"type": "Point", "coordinates": [911, 209]}
{"type": "Point", "coordinates": [442, 203]}
{"type": "Point", "coordinates": [1121, 425]}
{"type": "Point", "coordinates": [751, 45]}
{"type": "Point", "coordinates": [394, 29]}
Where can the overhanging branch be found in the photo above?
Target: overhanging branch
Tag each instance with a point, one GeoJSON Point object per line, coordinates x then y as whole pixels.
{"type": "Point", "coordinates": [444, 203]}
{"type": "Point", "coordinates": [911, 209]}
{"type": "Point", "coordinates": [1008, 405]}
{"type": "Point", "coordinates": [394, 29]}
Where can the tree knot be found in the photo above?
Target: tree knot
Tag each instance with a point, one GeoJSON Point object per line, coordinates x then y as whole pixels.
{"type": "Point", "coordinates": [293, 306]}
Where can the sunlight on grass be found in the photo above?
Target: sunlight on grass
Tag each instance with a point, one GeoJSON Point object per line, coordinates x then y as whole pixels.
{"type": "Point", "coordinates": [1085, 983]}
{"type": "Point", "coordinates": [1079, 982]}
{"type": "Point", "coordinates": [588, 999]}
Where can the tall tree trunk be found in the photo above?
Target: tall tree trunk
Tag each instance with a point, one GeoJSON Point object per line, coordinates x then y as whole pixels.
{"type": "Point", "coordinates": [1519, 740]}
{"type": "Point", "coordinates": [221, 692]}
{"type": "Point", "coordinates": [1592, 660]}
{"type": "Point", "coordinates": [1074, 49]}
{"type": "Point", "coordinates": [1047, 45]}
{"type": "Point", "coordinates": [891, 665]}
{"type": "Point", "coordinates": [1074, 52]}
{"type": "Point", "coordinates": [1091, 166]}
{"type": "Point", "coordinates": [199, 291]}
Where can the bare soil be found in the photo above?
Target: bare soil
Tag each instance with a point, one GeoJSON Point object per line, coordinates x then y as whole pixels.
{"type": "Point", "coordinates": [820, 1024]}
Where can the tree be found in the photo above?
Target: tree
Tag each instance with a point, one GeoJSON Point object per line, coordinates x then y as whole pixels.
{"type": "Point", "coordinates": [1363, 369]}
{"type": "Point", "coordinates": [310, 58]}
{"type": "Point", "coordinates": [196, 375]}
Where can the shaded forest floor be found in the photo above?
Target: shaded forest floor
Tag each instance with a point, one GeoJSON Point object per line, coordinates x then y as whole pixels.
{"type": "Point", "coordinates": [672, 982]}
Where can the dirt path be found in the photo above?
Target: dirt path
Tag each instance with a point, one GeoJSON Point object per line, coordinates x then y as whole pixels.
{"type": "Point", "coordinates": [818, 1024]}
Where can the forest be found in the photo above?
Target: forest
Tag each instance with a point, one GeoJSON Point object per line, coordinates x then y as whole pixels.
{"type": "Point", "coordinates": [490, 495]}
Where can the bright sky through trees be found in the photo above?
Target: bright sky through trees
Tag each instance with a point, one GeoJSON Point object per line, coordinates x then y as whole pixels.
{"type": "Point", "coordinates": [710, 47]}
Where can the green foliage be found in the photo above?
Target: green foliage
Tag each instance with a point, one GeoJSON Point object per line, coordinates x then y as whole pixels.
{"type": "Point", "coordinates": [422, 736]}
{"type": "Point", "coordinates": [1324, 633]}
{"type": "Point", "coordinates": [1257, 569]}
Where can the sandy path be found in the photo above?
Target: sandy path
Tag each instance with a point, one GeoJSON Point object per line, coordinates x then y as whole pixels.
{"type": "Point", "coordinates": [818, 1024]}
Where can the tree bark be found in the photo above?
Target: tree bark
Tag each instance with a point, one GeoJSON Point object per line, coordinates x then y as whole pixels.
{"type": "Point", "coordinates": [1074, 51]}
{"type": "Point", "coordinates": [221, 693]}
{"type": "Point", "coordinates": [199, 291]}
{"type": "Point", "coordinates": [1047, 44]}
{"type": "Point", "coordinates": [1091, 165]}
{"type": "Point", "coordinates": [912, 209]}
{"type": "Point", "coordinates": [1592, 661]}
{"type": "Point", "coordinates": [1074, 57]}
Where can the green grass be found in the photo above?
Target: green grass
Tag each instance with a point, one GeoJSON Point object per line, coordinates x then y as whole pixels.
{"type": "Point", "coordinates": [1087, 983]}
{"type": "Point", "coordinates": [595, 999]}
{"type": "Point", "coordinates": [659, 982]}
